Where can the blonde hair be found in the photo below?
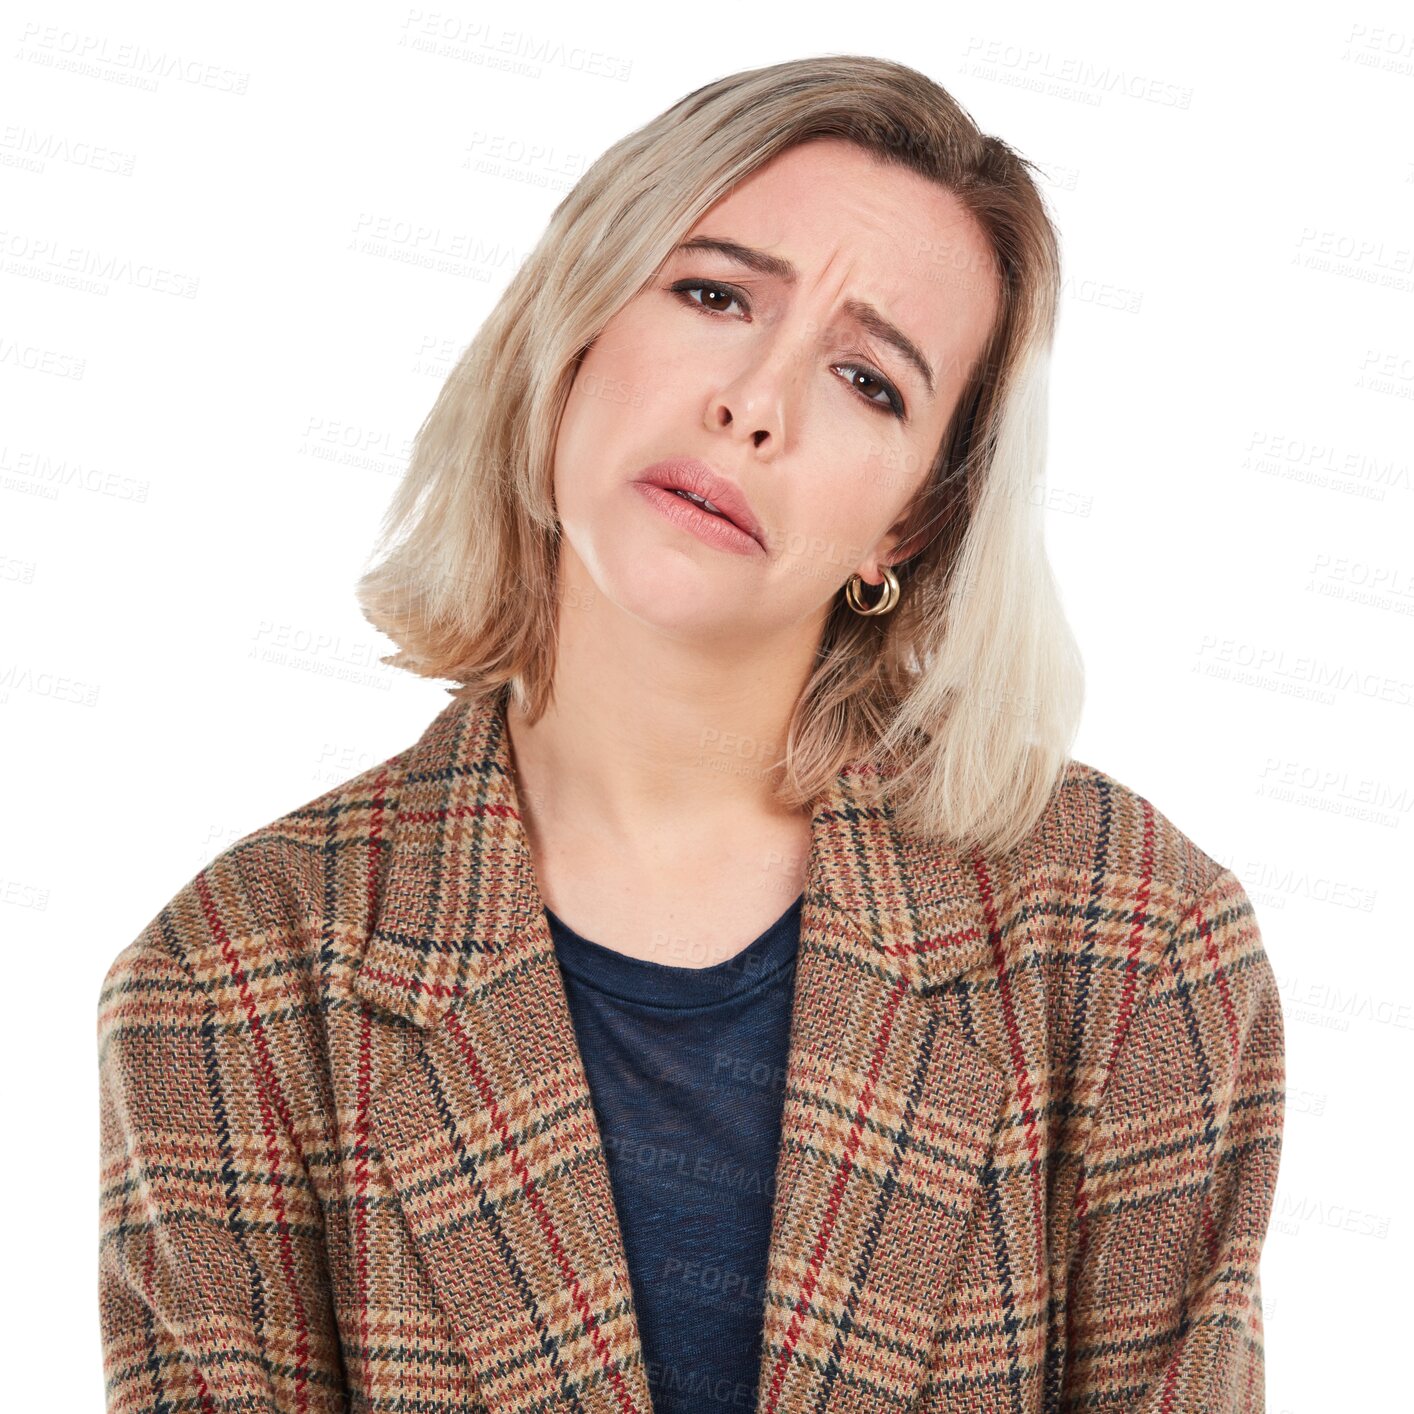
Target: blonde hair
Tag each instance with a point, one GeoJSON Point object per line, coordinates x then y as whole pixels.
{"type": "Point", "coordinates": [965, 698]}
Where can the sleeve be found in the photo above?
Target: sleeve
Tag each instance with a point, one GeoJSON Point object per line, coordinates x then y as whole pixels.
{"type": "Point", "coordinates": [212, 1275]}
{"type": "Point", "coordinates": [1178, 1179]}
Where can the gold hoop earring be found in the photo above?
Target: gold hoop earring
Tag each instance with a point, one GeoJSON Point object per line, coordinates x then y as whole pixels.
{"type": "Point", "coordinates": [887, 599]}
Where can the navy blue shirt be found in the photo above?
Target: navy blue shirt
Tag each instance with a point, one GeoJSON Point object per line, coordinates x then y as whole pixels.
{"type": "Point", "coordinates": [686, 1068]}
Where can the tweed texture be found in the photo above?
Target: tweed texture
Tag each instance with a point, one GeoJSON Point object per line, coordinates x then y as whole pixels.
{"type": "Point", "coordinates": [349, 1159]}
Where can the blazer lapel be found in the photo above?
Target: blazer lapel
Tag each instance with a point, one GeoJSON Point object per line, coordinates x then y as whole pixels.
{"type": "Point", "coordinates": [491, 1145]}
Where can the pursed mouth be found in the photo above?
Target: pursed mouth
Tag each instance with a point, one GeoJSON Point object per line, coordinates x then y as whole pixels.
{"type": "Point", "coordinates": [703, 502]}
{"type": "Point", "coordinates": [706, 520]}
{"type": "Point", "coordinates": [694, 481]}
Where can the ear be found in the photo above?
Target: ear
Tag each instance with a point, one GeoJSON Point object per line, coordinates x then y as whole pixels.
{"type": "Point", "coordinates": [915, 529]}
{"type": "Point", "coordinates": [885, 552]}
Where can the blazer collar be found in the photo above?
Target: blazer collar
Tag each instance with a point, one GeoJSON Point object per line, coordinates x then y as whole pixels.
{"type": "Point", "coordinates": [890, 1115]}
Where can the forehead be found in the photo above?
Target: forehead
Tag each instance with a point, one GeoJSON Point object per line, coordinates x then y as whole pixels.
{"type": "Point", "coordinates": [857, 227]}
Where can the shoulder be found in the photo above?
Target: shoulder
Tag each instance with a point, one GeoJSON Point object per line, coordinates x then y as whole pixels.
{"type": "Point", "coordinates": [1099, 825]}
{"type": "Point", "coordinates": [1118, 935]}
{"type": "Point", "coordinates": [254, 949]}
{"type": "Point", "coordinates": [266, 903]}
{"type": "Point", "coordinates": [1100, 822]}
{"type": "Point", "coordinates": [1106, 870]}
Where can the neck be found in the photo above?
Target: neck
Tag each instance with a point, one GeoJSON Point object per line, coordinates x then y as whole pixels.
{"type": "Point", "coordinates": [665, 745]}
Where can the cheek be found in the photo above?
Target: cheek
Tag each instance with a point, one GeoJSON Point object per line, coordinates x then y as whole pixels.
{"type": "Point", "coordinates": [589, 412]}
{"type": "Point", "coordinates": [600, 405]}
{"type": "Point", "coordinates": [833, 522]}
{"type": "Point", "coordinates": [618, 369]}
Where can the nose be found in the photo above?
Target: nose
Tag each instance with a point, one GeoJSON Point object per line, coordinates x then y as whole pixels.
{"type": "Point", "coordinates": [752, 405]}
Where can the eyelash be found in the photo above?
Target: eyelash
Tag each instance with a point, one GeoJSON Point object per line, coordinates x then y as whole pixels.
{"type": "Point", "coordinates": [894, 408]}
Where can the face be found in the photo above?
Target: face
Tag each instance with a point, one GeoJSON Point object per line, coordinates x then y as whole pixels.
{"type": "Point", "coordinates": [806, 344]}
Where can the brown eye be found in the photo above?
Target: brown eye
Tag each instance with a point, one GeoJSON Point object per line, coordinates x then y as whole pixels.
{"type": "Point", "coordinates": [891, 401]}
{"type": "Point", "coordinates": [717, 299]}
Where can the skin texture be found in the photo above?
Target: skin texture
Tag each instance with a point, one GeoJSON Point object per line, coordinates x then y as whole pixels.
{"type": "Point", "coordinates": [646, 784]}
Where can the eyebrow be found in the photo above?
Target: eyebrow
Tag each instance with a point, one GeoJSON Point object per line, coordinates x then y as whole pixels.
{"type": "Point", "coordinates": [778, 268]}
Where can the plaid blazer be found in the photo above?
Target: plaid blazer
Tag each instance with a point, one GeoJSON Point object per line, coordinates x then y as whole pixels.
{"type": "Point", "coordinates": [349, 1159]}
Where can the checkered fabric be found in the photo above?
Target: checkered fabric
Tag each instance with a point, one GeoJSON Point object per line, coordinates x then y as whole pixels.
{"type": "Point", "coordinates": [349, 1159]}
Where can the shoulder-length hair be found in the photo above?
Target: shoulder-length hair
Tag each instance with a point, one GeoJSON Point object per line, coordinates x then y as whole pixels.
{"type": "Point", "coordinates": [965, 698]}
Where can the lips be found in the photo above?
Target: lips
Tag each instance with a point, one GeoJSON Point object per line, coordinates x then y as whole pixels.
{"type": "Point", "coordinates": [691, 475]}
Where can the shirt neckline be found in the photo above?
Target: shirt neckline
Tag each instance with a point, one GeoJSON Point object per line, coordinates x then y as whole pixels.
{"type": "Point", "coordinates": [637, 979]}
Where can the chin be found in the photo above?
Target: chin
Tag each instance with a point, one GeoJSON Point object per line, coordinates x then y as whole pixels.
{"type": "Point", "coordinates": [677, 593]}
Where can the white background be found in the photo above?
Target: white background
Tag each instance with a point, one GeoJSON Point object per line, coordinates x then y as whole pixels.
{"type": "Point", "coordinates": [190, 485]}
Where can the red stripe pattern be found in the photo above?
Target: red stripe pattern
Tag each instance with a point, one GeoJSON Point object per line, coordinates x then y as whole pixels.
{"type": "Point", "coordinates": [349, 1158]}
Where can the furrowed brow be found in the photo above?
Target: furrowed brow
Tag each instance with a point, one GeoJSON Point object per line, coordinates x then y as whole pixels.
{"type": "Point", "coordinates": [865, 315]}
{"type": "Point", "coordinates": [759, 260]}
{"type": "Point", "coordinates": [869, 318]}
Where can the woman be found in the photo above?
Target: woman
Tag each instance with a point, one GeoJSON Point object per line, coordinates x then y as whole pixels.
{"type": "Point", "coordinates": [738, 995]}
